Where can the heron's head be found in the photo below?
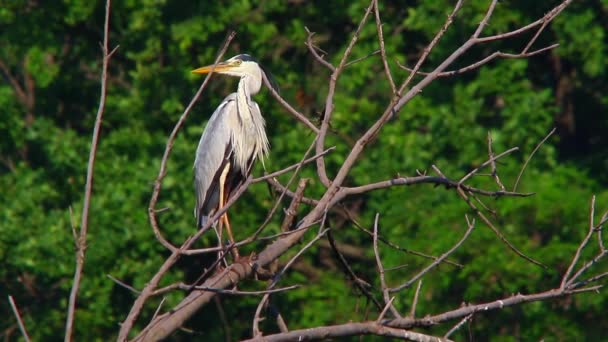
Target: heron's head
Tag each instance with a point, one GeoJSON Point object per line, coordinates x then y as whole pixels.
{"type": "Point", "coordinates": [239, 66]}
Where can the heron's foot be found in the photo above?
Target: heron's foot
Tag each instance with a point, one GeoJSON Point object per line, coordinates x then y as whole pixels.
{"type": "Point", "coordinates": [236, 256]}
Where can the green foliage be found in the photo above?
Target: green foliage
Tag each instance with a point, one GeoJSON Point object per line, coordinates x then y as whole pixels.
{"type": "Point", "coordinates": [45, 145]}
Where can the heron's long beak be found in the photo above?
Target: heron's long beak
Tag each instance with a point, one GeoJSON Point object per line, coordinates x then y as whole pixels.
{"type": "Point", "coordinates": [207, 69]}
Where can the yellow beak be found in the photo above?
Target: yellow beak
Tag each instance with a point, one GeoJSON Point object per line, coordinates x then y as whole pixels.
{"type": "Point", "coordinates": [207, 69]}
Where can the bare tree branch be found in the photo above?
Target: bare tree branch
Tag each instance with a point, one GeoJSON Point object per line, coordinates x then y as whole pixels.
{"type": "Point", "coordinates": [81, 243]}
{"type": "Point", "coordinates": [484, 61]}
{"type": "Point", "coordinates": [24, 333]}
{"type": "Point", "coordinates": [329, 101]}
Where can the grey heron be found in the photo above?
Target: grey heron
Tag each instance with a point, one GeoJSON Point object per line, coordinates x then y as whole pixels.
{"type": "Point", "coordinates": [232, 141]}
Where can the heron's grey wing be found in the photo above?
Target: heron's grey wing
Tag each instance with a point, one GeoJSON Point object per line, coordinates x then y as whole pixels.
{"type": "Point", "coordinates": [213, 152]}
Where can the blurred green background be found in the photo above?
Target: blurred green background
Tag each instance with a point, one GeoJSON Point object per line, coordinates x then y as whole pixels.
{"type": "Point", "coordinates": [50, 66]}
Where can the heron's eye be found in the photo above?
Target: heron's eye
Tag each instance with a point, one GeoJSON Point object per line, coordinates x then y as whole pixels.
{"type": "Point", "coordinates": [238, 62]}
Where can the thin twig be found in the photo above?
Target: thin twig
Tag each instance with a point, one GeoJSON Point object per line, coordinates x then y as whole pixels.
{"type": "Point", "coordinates": [431, 45]}
{"type": "Point", "coordinates": [458, 325]}
{"type": "Point", "coordinates": [385, 309]}
{"type": "Point", "coordinates": [387, 69]}
{"type": "Point", "coordinates": [361, 284]}
{"type": "Point", "coordinates": [385, 289]}
{"type": "Point", "coordinates": [360, 59]}
{"type": "Point", "coordinates": [329, 100]}
{"type": "Point", "coordinates": [523, 168]}
{"type": "Point", "coordinates": [292, 167]}
{"type": "Point", "coordinates": [313, 50]}
{"type": "Point", "coordinates": [160, 305]}
{"type": "Point", "coordinates": [599, 228]}
{"type": "Point", "coordinates": [470, 226]}
{"type": "Point", "coordinates": [415, 301]}
{"type": "Point", "coordinates": [442, 180]}
{"type": "Point", "coordinates": [292, 210]}
{"type": "Point", "coordinates": [491, 160]}
{"type": "Point", "coordinates": [287, 106]}
{"type": "Point", "coordinates": [24, 333]}
{"type": "Point", "coordinates": [580, 248]}
{"type": "Point", "coordinates": [391, 244]}
{"type": "Point", "coordinates": [493, 164]}
{"type": "Point", "coordinates": [257, 317]}
{"type": "Point", "coordinates": [498, 233]}
{"type": "Point", "coordinates": [247, 293]}
{"type": "Point", "coordinates": [81, 242]}
{"type": "Point", "coordinates": [123, 284]}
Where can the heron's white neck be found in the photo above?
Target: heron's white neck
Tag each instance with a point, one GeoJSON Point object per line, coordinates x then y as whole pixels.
{"type": "Point", "coordinates": [250, 85]}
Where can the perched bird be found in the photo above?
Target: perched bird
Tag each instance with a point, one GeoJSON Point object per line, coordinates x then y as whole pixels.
{"type": "Point", "coordinates": [233, 140]}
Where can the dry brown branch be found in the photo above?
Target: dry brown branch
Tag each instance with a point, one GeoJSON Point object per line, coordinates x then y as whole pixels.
{"type": "Point", "coordinates": [22, 328]}
{"type": "Point", "coordinates": [369, 327]}
{"type": "Point", "coordinates": [81, 242]}
{"type": "Point", "coordinates": [350, 329]}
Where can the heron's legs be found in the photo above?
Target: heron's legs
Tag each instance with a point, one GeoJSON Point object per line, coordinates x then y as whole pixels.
{"type": "Point", "coordinates": [224, 217]}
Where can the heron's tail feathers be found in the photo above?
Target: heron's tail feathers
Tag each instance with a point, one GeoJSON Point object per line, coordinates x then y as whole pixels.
{"type": "Point", "coordinates": [202, 221]}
